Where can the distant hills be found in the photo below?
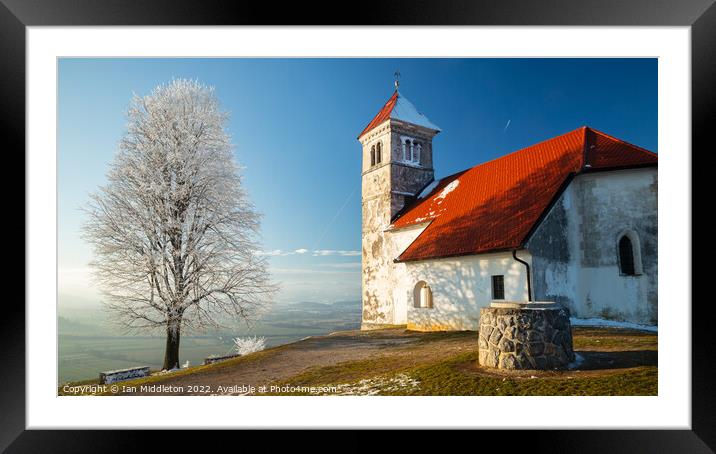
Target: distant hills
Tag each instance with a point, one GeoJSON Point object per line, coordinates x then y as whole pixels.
{"type": "Point", "coordinates": [88, 343]}
{"type": "Point", "coordinates": [304, 317]}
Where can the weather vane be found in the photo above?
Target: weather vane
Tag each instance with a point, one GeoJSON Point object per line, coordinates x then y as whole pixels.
{"type": "Point", "coordinates": [397, 78]}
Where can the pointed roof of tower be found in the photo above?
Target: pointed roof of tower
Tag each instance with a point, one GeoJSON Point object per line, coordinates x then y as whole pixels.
{"type": "Point", "coordinates": [400, 108]}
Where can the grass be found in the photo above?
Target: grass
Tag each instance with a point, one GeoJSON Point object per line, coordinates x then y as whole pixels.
{"type": "Point", "coordinates": [435, 371]}
{"type": "Point", "coordinates": [447, 378]}
{"type": "Point", "coordinates": [459, 376]}
{"type": "Point", "coordinates": [588, 338]}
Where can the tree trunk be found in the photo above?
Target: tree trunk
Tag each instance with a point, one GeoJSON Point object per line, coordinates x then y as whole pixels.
{"type": "Point", "coordinates": [171, 354]}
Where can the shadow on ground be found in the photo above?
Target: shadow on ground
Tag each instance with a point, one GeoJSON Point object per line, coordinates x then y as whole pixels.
{"type": "Point", "coordinates": [598, 360]}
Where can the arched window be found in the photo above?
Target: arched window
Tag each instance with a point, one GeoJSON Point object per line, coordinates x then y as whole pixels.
{"type": "Point", "coordinates": [422, 295]}
{"type": "Point", "coordinates": [378, 153]}
{"type": "Point", "coordinates": [411, 157]}
{"type": "Point", "coordinates": [626, 256]}
{"type": "Point", "coordinates": [629, 254]}
{"type": "Point", "coordinates": [418, 149]}
{"type": "Point", "coordinates": [372, 155]}
{"type": "Point", "coordinates": [405, 155]}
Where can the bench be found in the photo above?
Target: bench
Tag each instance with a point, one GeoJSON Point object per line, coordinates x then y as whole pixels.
{"type": "Point", "coordinates": [112, 376]}
{"type": "Point", "coordinates": [216, 359]}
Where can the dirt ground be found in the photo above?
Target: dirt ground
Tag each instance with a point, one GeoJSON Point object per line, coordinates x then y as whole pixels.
{"type": "Point", "coordinates": [601, 351]}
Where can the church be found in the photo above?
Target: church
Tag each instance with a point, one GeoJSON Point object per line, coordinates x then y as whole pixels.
{"type": "Point", "coordinates": [572, 219]}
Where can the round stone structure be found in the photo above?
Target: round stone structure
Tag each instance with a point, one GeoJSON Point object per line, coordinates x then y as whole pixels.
{"type": "Point", "coordinates": [518, 335]}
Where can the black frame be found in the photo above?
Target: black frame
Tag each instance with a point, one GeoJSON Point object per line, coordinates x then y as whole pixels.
{"type": "Point", "coordinates": [15, 15]}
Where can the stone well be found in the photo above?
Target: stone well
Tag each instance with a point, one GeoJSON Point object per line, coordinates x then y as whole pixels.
{"type": "Point", "coordinates": [518, 335]}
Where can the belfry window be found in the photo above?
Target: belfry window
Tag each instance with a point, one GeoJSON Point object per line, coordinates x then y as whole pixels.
{"type": "Point", "coordinates": [412, 150]}
{"type": "Point", "coordinates": [378, 153]}
{"type": "Point", "coordinates": [372, 156]}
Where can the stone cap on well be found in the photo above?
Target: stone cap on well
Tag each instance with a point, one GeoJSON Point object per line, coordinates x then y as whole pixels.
{"type": "Point", "coordinates": [523, 304]}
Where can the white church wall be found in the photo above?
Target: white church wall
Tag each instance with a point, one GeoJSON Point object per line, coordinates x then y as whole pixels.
{"type": "Point", "coordinates": [460, 287]}
{"type": "Point", "coordinates": [399, 241]}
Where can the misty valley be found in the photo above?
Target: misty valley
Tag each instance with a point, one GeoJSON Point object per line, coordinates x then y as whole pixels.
{"type": "Point", "coordinates": [88, 344]}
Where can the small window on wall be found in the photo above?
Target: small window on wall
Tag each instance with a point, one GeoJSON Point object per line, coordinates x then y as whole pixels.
{"type": "Point", "coordinates": [629, 254]}
{"type": "Point", "coordinates": [422, 295]}
{"type": "Point", "coordinates": [372, 155]}
{"type": "Point", "coordinates": [378, 153]}
{"type": "Point", "coordinates": [498, 287]}
{"type": "Point", "coordinates": [626, 256]}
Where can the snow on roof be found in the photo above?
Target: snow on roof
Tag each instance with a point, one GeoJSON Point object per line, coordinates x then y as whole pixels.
{"type": "Point", "coordinates": [447, 189]}
{"type": "Point", "coordinates": [404, 110]}
{"type": "Point", "coordinates": [428, 189]}
{"type": "Point", "coordinates": [399, 108]}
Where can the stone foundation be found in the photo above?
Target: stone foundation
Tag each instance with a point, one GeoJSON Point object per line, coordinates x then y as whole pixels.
{"type": "Point", "coordinates": [525, 336]}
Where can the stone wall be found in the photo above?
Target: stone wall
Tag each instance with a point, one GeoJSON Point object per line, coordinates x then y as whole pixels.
{"type": "Point", "coordinates": [525, 338]}
{"type": "Point", "coordinates": [385, 189]}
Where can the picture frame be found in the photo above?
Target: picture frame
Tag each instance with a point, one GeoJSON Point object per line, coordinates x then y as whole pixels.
{"type": "Point", "coordinates": [16, 16]}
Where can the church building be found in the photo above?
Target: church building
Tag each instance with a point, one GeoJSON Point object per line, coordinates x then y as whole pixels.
{"type": "Point", "coordinates": [572, 219]}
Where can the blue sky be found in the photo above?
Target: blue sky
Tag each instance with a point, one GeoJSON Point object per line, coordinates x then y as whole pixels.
{"type": "Point", "coordinates": [294, 123]}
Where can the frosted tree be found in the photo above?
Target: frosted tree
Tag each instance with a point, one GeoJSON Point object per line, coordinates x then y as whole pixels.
{"type": "Point", "coordinates": [173, 231]}
{"type": "Point", "coordinates": [246, 345]}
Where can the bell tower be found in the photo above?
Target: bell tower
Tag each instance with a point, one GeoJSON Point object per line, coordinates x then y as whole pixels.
{"type": "Point", "coordinates": [397, 165]}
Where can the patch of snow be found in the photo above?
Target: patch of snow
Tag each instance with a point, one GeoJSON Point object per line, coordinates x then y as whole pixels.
{"type": "Point", "coordinates": [410, 163]}
{"type": "Point", "coordinates": [578, 360]}
{"type": "Point", "coordinates": [374, 386]}
{"type": "Point", "coordinates": [600, 322]}
{"type": "Point", "coordinates": [405, 111]}
{"type": "Point", "coordinates": [447, 190]}
{"type": "Point", "coordinates": [428, 189]}
{"type": "Point", "coordinates": [166, 371]}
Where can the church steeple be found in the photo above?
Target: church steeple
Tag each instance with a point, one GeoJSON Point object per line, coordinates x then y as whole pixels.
{"type": "Point", "coordinates": [400, 137]}
{"type": "Point", "coordinates": [397, 165]}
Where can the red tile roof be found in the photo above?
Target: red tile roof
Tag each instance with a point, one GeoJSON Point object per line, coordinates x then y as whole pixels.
{"type": "Point", "coordinates": [383, 115]}
{"type": "Point", "coordinates": [494, 206]}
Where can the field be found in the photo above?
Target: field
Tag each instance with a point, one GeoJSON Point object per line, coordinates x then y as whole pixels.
{"type": "Point", "coordinates": [401, 362]}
